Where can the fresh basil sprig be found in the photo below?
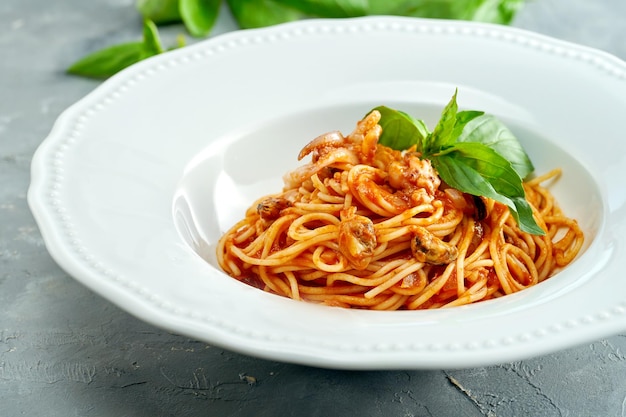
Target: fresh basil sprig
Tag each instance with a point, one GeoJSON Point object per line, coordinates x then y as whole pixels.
{"type": "Point", "coordinates": [472, 152]}
{"type": "Point", "coordinates": [108, 61]}
{"type": "Point", "coordinates": [199, 17]}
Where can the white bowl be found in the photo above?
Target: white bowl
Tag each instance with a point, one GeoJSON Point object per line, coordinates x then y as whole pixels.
{"type": "Point", "coordinates": [137, 181]}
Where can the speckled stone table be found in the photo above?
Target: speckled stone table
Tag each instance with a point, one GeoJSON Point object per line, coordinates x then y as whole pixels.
{"type": "Point", "coordinates": [64, 351]}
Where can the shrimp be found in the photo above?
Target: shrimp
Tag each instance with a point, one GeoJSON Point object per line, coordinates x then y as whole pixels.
{"type": "Point", "coordinates": [363, 126]}
{"type": "Point", "coordinates": [329, 150]}
{"type": "Point", "coordinates": [333, 149]}
{"type": "Point", "coordinates": [366, 134]}
{"type": "Point", "coordinates": [357, 238]}
{"type": "Point", "coordinates": [411, 171]}
{"type": "Point", "coordinates": [332, 139]}
{"type": "Point", "coordinates": [428, 248]}
{"type": "Point", "coordinates": [386, 181]}
{"type": "Point", "coordinates": [367, 184]}
{"type": "Point", "coordinates": [341, 156]}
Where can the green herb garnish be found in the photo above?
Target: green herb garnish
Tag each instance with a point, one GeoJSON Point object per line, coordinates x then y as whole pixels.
{"type": "Point", "coordinates": [472, 152]}
{"type": "Point", "coordinates": [108, 61]}
{"type": "Point", "coordinates": [261, 13]}
{"type": "Point", "coordinates": [199, 17]}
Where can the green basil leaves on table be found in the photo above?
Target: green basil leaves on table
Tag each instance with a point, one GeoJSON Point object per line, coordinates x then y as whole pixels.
{"type": "Point", "coordinates": [199, 17]}
{"type": "Point", "coordinates": [262, 13]}
{"type": "Point", "coordinates": [106, 62]}
{"type": "Point", "coordinates": [160, 12]}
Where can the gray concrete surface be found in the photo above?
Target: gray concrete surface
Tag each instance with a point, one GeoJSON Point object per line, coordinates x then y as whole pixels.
{"type": "Point", "coordinates": [66, 352]}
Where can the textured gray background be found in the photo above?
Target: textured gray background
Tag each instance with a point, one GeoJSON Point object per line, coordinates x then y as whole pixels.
{"type": "Point", "coordinates": [64, 351]}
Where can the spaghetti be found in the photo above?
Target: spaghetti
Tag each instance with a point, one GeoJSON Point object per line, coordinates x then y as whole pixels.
{"type": "Point", "coordinates": [366, 226]}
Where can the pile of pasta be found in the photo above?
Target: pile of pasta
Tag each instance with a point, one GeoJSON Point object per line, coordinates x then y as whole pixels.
{"type": "Point", "coordinates": [365, 226]}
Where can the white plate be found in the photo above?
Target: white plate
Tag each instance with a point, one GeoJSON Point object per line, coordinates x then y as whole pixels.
{"type": "Point", "coordinates": [144, 174]}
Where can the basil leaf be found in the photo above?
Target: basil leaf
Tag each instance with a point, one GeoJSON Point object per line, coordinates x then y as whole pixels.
{"type": "Point", "coordinates": [488, 130]}
{"type": "Point", "coordinates": [523, 215]}
{"type": "Point", "coordinates": [106, 62]}
{"type": "Point", "coordinates": [477, 169]}
{"type": "Point", "coordinates": [199, 16]}
{"type": "Point", "coordinates": [462, 119]}
{"type": "Point", "coordinates": [159, 11]}
{"type": "Point", "coordinates": [330, 8]}
{"type": "Point", "coordinates": [109, 61]}
{"type": "Point", "coordinates": [400, 130]}
{"type": "Point", "coordinates": [490, 165]}
{"type": "Point", "coordinates": [442, 134]}
{"type": "Point", "coordinates": [463, 177]}
{"type": "Point", "coordinates": [450, 126]}
{"type": "Point", "coordinates": [416, 8]}
{"type": "Point", "coordinates": [151, 40]}
{"type": "Point", "coordinates": [497, 11]}
{"type": "Point", "coordinates": [493, 11]}
{"type": "Point", "coordinates": [260, 13]}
